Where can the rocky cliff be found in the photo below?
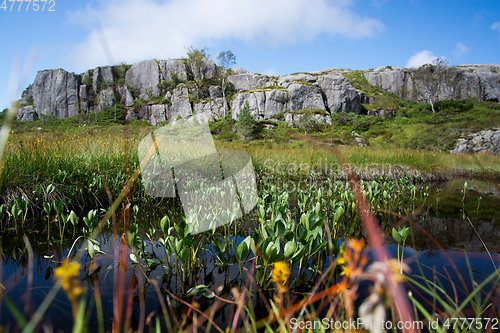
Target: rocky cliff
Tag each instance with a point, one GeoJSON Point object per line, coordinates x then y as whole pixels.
{"type": "Point", "coordinates": [480, 82]}
{"type": "Point", "coordinates": [161, 90]}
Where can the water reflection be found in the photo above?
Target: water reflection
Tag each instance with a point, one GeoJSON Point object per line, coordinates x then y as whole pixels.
{"type": "Point", "coordinates": [442, 220]}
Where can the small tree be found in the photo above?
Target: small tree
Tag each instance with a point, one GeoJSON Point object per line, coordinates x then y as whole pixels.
{"type": "Point", "coordinates": [225, 59]}
{"type": "Point", "coordinates": [195, 65]}
{"type": "Point", "coordinates": [247, 121]}
{"type": "Point", "coordinates": [431, 79]}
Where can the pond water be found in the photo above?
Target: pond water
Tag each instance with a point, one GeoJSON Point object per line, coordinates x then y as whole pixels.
{"type": "Point", "coordinates": [466, 242]}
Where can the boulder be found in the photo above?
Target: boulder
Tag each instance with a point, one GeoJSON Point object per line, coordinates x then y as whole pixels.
{"type": "Point", "coordinates": [105, 99]}
{"type": "Point", "coordinates": [383, 113]}
{"type": "Point", "coordinates": [287, 80]}
{"type": "Point", "coordinates": [209, 70]}
{"type": "Point", "coordinates": [365, 99]}
{"type": "Point", "coordinates": [487, 141]}
{"type": "Point", "coordinates": [131, 114]}
{"type": "Point", "coordinates": [158, 114]}
{"type": "Point", "coordinates": [55, 93]}
{"type": "Point", "coordinates": [180, 90]}
{"type": "Point", "coordinates": [305, 97]}
{"type": "Point", "coordinates": [180, 107]}
{"type": "Point", "coordinates": [154, 114]}
{"type": "Point", "coordinates": [102, 76]}
{"type": "Point", "coordinates": [340, 94]}
{"type": "Point", "coordinates": [125, 95]}
{"type": "Point", "coordinates": [145, 77]}
{"type": "Point", "coordinates": [205, 111]}
{"type": "Point", "coordinates": [388, 80]}
{"type": "Point", "coordinates": [169, 67]}
{"type": "Point", "coordinates": [215, 92]}
{"type": "Point", "coordinates": [296, 118]}
{"type": "Point", "coordinates": [27, 113]}
{"type": "Point", "coordinates": [276, 101]}
{"type": "Point", "coordinates": [250, 81]}
{"type": "Point", "coordinates": [256, 101]}
{"type": "Point", "coordinates": [238, 70]}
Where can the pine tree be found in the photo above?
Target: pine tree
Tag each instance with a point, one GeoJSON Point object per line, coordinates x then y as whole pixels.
{"type": "Point", "coordinates": [247, 121]}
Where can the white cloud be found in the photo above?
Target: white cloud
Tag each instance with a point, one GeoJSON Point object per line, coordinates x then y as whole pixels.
{"type": "Point", "coordinates": [460, 50]}
{"type": "Point", "coordinates": [496, 26]}
{"type": "Point", "coordinates": [136, 30]}
{"type": "Point", "coordinates": [421, 58]}
{"type": "Point", "coordinates": [270, 72]}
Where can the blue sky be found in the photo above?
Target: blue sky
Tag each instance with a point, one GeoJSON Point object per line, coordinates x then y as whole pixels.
{"type": "Point", "coordinates": [274, 37]}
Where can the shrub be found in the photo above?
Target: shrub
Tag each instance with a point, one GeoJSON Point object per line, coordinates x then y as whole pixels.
{"type": "Point", "coordinates": [454, 105]}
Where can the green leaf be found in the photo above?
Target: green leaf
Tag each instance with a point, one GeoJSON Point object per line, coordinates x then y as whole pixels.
{"type": "Point", "coordinates": [164, 223]}
{"type": "Point", "coordinates": [314, 221]}
{"type": "Point", "coordinates": [47, 208]}
{"type": "Point", "coordinates": [406, 233]}
{"type": "Point", "coordinates": [242, 250]}
{"type": "Point", "coordinates": [271, 251]}
{"type": "Point", "coordinates": [73, 218]}
{"type": "Point", "coordinates": [152, 263]}
{"type": "Point", "coordinates": [280, 226]}
{"type": "Point", "coordinates": [196, 290]}
{"type": "Point", "coordinates": [396, 236]}
{"type": "Point", "coordinates": [290, 248]}
{"type": "Point", "coordinates": [90, 249]}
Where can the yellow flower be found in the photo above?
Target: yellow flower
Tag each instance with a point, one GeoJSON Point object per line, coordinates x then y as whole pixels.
{"type": "Point", "coordinates": [346, 271]}
{"type": "Point", "coordinates": [281, 272]}
{"type": "Point", "coordinates": [12, 132]}
{"type": "Point", "coordinates": [66, 275]}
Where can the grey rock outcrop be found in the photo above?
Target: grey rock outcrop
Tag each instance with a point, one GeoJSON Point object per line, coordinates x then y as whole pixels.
{"type": "Point", "coordinates": [169, 68]}
{"type": "Point", "coordinates": [105, 99]}
{"type": "Point", "coordinates": [276, 101]}
{"type": "Point", "coordinates": [256, 101]}
{"type": "Point", "coordinates": [84, 99]}
{"type": "Point", "coordinates": [145, 77]}
{"type": "Point", "coordinates": [250, 81]}
{"type": "Point", "coordinates": [154, 114]}
{"type": "Point", "coordinates": [126, 97]}
{"type": "Point", "coordinates": [480, 82]}
{"type": "Point", "coordinates": [208, 71]}
{"type": "Point", "coordinates": [205, 111]}
{"type": "Point", "coordinates": [305, 97]}
{"type": "Point", "coordinates": [27, 113]}
{"type": "Point", "coordinates": [55, 93]}
{"type": "Point", "coordinates": [238, 70]}
{"type": "Point", "coordinates": [383, 113]}
{"type": "Point", "coordinates": [263, 104]}
{"type": "Point", "coordinates": [180, 107]}
{"type": "Point", "coordinates": [215, 92]}
{"type": "Point", "coordinates": [487, 141]}
{"type": "Point", "coordinates": [287, 80]}
{"type": "Point", "coordinates": [340, 94]}
{"type": "Point", "coordinates": [181, 90]}
{"type": "Point", "coordinates": [102, 76]}
{"type": "Point", "coordinates": [61, 94]}
{"type": "Point", "coordinates": [298, 118]}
